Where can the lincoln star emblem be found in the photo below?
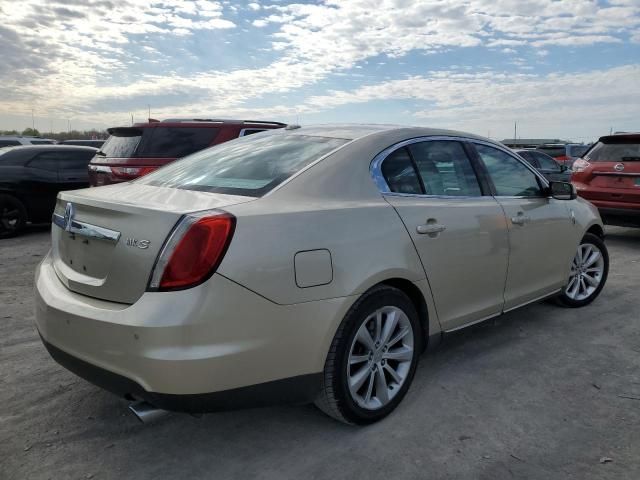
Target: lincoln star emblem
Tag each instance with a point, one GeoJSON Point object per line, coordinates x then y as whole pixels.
{"type": "Point", "coordinates": [619, 167]}
{"type": "Point", "coordinates": [69, 212]}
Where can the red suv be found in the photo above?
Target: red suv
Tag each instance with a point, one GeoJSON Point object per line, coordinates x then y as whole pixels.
{"type": "Point", "coordinates": [131, 152]}
{"type": "Point", "coordinates": [608, 175]}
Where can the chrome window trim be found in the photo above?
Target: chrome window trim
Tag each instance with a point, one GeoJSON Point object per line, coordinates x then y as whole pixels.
{"type": "Point", "coordinates": [375, 168]}
{"type": "Point", "coordinates": [85, 229]}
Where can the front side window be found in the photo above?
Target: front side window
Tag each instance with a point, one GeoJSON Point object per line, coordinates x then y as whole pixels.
{"type": "Point", "coordinates": [511, 178]}
{"type": "Point", "coordinates": [578, 150]}
{"type": "Point", "coordinates": [249, 166]}
{"type": "Point", "coordinates": [445, 168]}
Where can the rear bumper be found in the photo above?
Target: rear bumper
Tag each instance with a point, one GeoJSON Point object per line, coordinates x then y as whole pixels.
{"type": "Point", "coordinates": [300, 389]}
{"type": "Point", "coordinates": [217, 338]}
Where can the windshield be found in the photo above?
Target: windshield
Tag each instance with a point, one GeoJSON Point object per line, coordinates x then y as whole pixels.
{"type": "Point", "coordinates": [249, 166]}
{"type": "Point", "coordinates": [615, 152]}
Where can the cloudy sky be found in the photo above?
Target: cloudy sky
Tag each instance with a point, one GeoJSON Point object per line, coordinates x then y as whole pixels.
{"type": "Point", "coordinates": [560, 68]}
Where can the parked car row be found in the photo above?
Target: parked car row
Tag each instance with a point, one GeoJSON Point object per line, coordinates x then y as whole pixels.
{"type": "Point", "coordinates": [17, 140]}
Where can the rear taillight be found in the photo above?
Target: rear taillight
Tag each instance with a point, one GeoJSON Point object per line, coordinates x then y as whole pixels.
{"type": "Point", "coordinates": [129, 173]}
{"type": "Point", "coordinates": [580, 165]}
{"type": "Point", "coordinates": [193, 251]}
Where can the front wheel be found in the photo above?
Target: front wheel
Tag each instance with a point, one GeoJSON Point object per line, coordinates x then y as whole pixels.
{"type": "Point", "coordinates": [588, 273]}
{"type": "Point", "coordinates": [372, 359]}
{"type": "Point", "coordinates": [13, 216]}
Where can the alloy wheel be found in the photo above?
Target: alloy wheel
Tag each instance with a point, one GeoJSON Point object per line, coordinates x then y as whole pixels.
{"type": "Point", "coordinates": [380, 357]}
{"type": "Point", "coordinates": [586, 273]}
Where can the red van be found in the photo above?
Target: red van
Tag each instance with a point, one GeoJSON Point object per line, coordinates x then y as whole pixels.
{"type": "Point", "coordinates": [608, 175]}
{"type": "Point", "coordinates": [131, 152]}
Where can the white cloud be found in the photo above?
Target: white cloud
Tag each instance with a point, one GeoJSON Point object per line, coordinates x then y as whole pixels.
{"type": "Point", "coordinates": [254, 6]}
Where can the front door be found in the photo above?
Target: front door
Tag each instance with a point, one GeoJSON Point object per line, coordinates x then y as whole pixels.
{"type": "Point", "coordinates": [541, 236]}
{"type": "Point", "coordinates": [459, 233]}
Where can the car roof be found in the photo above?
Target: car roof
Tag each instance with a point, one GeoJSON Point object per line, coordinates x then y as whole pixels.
{"type": "Point", "coordinates": [356, 131]}
{"type": "Point", "coordinates": [186, 122]}
{"type": "Point", "coordinates": [619, 137]}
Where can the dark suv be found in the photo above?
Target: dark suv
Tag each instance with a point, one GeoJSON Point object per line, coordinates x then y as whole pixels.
{"type": "Point", "coordinates": [131, 152]}
{"type": "Point", "coordinates": [32, 176]}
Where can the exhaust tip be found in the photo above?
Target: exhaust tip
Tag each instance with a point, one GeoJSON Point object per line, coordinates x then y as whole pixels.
{"type": "Point", "coordinates": [145, 412]}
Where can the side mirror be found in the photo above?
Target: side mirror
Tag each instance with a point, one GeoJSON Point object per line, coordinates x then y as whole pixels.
{"type": "Point", "coordinates": [563, 191]}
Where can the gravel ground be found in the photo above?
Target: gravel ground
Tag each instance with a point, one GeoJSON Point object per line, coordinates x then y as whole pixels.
{"type": "Point", "coordinates": [540, 393]}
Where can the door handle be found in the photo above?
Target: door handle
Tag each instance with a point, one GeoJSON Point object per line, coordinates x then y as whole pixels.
{"type": "Point", "coordinates": [430, 228]}
{"type": "Point", "coordinates": [520, 219]}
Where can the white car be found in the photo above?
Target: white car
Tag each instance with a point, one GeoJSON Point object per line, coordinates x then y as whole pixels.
{"type": "Point", "coordinates": [306, 264]}
{"type": "Point", "coordinates": [18, 140]}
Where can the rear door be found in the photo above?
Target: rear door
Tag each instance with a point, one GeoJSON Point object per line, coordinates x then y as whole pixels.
{"type": "Point", "coordinates": [41, 183]}
{"type": "Point", "coordinates": [459, 233]}
{"type": "Point", "coordinates": [540, 227]}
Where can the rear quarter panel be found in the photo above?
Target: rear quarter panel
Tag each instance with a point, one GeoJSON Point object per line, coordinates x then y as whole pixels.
{"type": "Point", "coordinates": [367, 241]}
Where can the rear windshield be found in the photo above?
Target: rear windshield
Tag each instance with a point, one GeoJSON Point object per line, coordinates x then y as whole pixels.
{"type": "Point", "coordinates": [625, 151]}
{"type": "Point", "coordinates": [159, 142]}
{"type": "Point", "coordinates": [553, 151]}
{"type": "Point", "coordinates": [249, 166]}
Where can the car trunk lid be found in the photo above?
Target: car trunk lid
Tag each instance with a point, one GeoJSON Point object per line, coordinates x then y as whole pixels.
{"type": "Point", "coordinates": [116, 234]}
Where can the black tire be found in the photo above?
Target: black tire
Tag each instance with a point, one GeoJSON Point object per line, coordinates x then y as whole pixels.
{"type": "Point", "coordinates": [335, 399]}
{"type": "Point", "coordinates": [565, 300]}
{"type": "Point", "coordinates": [13, 216]}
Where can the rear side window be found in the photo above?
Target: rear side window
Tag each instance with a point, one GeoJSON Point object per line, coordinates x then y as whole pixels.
{"type": "Point", "coordinates": [624, 151]}
{"type": "Point", "coordinates": [41, 142]}
{"type": "Point", "coordinates": [76, 160]}
{"type": "Point", "coordinates": [399, 173]}
{"type": "Point", "coordinates": [175, 141]}
{"type": "Point", "coordinates": [46, 161]}
{"type": "Point", "coordinates": [250, 131]}
{"type": "Point", "coordinates": [245, 166]}
{"type": "Point", "coordinates": [511, 178]}
{"type": "Point", "coordinates": [8, 143]}
{"type": "Point", "coordinates": [445, 169]}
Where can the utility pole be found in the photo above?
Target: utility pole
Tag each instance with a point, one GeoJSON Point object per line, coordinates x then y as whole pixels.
{"type": "Point", "coordinates": [132, 119]}
{"type": "Point", "coordinates": [515, 130]}
{"type": "Point", "coordinates": [69, 125]}
{"type": "Point", "coordinates": [33, 120]}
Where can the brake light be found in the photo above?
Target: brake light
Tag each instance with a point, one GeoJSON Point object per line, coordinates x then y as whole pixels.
{"type": "Point", "coordinates": [580, 165]}
{"type": "Point", "coordinates": [130, 173]}
{"type": "Point", "coordinates": [193, 251]}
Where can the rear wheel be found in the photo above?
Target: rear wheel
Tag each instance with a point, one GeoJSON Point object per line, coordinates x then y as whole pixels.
{"type": "Point", "coordinates": [588, 273]}
{"type": "Point", "coordinates": [13, 216]}
{"type": "Point", "coordinates": [372, 359]}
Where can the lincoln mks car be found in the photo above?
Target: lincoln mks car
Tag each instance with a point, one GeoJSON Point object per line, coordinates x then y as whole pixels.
{"type": "Point", "coordinates": [308, 264]}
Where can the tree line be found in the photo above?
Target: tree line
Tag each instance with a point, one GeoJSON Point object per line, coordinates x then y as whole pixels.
{"type": "Point", "coordinates": [71, 135]}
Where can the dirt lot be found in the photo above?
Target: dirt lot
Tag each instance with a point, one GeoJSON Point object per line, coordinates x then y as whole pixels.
{"type": "Point", "coordinates": [540, 393]}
